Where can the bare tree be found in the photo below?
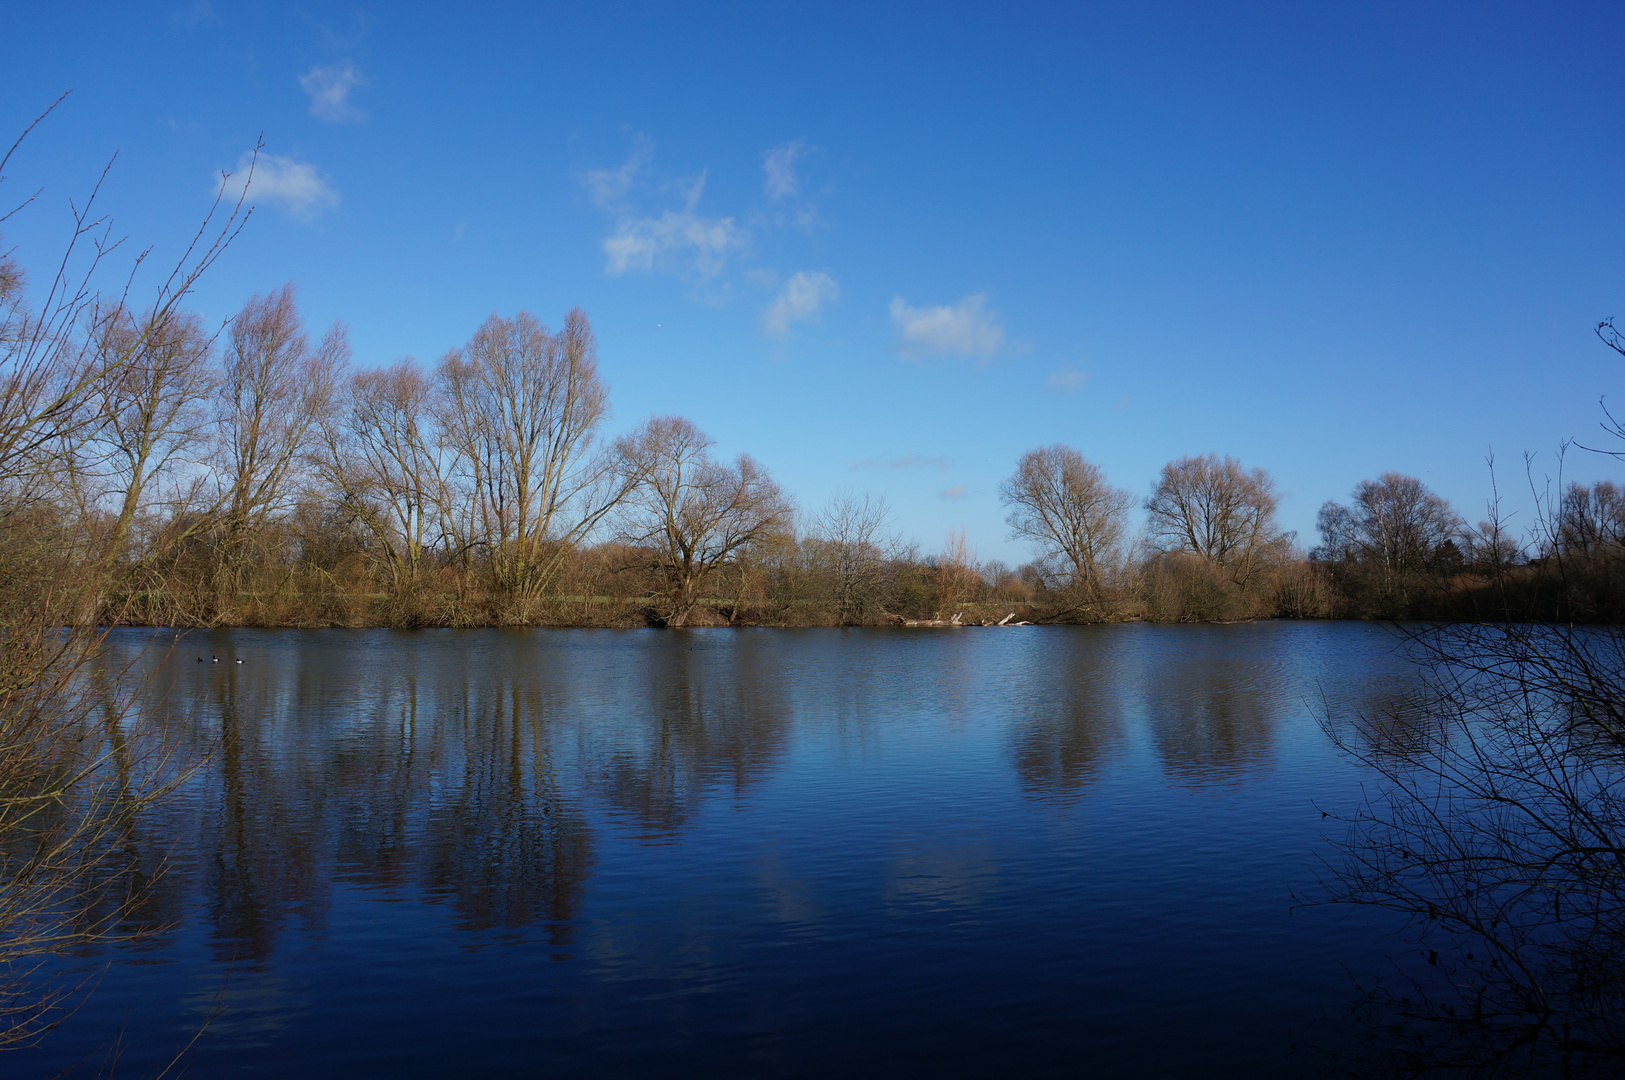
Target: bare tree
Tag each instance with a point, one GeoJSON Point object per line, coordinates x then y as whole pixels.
{"type": "Point", "coordinates": [275, 387]}
{"type": "Point", "coordinates": [54, 358]}
{"type": "Point", "coordinates": [157, 380]}
{"type": "Point", "coordinates": [519, 407]}
{"type": "Point", "coordinates": [78, 764]}
{"type": "Point", "coordinates": [691, 513]}
{"type": "Point", "coordinates": [850, 536]}
{"type": "Point", "coordinates": [378, 450]}
{"type": "Point", "coordinates": [1499, 828]}
{"type": "Point", "coordinates": [957, 575]}
{"type": "Point", "coordinates": [1394, 524]}
{"type": "Point", "coordinates": [1213, 508]}
{"type": "Point", "coordinates": [1064, 506]}
{"type": "Point", "coordinates": [1590, 521]}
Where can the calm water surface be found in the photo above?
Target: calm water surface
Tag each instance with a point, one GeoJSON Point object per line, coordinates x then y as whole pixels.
{"type": "Point", "coordinates": [1029, 851]}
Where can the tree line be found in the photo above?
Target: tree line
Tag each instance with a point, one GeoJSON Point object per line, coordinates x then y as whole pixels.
{"type": "Point", "coordinates": [155, 471]}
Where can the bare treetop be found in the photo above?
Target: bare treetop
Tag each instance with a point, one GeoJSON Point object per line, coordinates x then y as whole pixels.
{"type": "Point", "coordinates": [1215, 509]}
{"type": "Point", "coordinates": [1065, 507]}
{"type": "Point", "coordinates": [692, 513]}
{"type": "Point", "coordinates": [1394, 522]}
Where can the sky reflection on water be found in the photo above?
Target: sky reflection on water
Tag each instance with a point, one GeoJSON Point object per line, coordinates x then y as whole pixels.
{"type": "Point", "coordinates": [734, 852]}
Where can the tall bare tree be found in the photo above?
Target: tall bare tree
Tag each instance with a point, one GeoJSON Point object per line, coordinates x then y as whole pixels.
{"type": "Point", "coordinates": [519, 407]}
{"type": "Point", "coordinates": [275, 387]}
{"type": "Point", "coordinates": [52, 354]}
{"type": "Point", "coordinates": [692, 514]}
{"type": "Point", "coordinates": [1064, 505]}
{"type": "Point", "coordinates": [957, 576]}
{"type": "Point", "coordinates": [378, 450]}
{"type": "Point", "coordinates": [1215, 509]}
{"type": "Point", "coordinates": [153, 395]}
{"type": "Point", "coordinates": [79, 765]}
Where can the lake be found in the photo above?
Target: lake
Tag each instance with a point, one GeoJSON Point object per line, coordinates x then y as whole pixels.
{"type": "Point", "coordinates": [1037, 851]}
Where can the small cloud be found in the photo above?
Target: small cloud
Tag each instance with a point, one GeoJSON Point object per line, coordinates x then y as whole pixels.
{"type": "Point", "coordinates": [294, 187]}
{"type": "Point", "coordinates": [779, 165]}
{"type": "Point", "coordinates": [195, 14]}
{"type": "Point", "coordinates": [953, 494]}
{"type": "Point", "coordinates": [683, 239]}
{"type": "Point", "coordinates": [336, 37]}
{"type": "Point", "coordinates": [673, 238]}
{"type": "Point", "coordinates": [459, 231]}
{"type": "Point", "coordinates": [801, 298]}
{"type": "Point", "coordinates": [967, 328]}
{"type": "Point", "coordinates": [1066, 382]}
{"type": "Point", "coordinates": [1121, 404]}
{"type": "Point", "coordinates": [607, 187]}
{"type": "Point", "coordinates": [329, 89]}
{"type": "Point", "coordinates": [904, 461]}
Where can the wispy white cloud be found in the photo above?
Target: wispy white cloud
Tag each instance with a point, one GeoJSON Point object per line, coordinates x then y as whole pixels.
{"type": "Point", "coordinates": [779, 167]}
{"type": "Point", "coordinates": [608, 187]}
{"type": "Point", "coordinates": [900, 462]}
{"type": "Point", "coordinates": [329, 89]}
{"type": "Point", "coordinates": [294, 187]}
{"type": "Point", "coordinates": [792, 206]}
{"type": "Point", "coordinates": [1066, 381]}
{"type": "Point", "coordinates": [683, 240]}
{"type": "Point", "coordinates": [968, 328]}
{"type": "Point", "coordinates": [802, 297]}
{"type": "Point", "coordinates": [953, 494]}
{"type": "Point", "coordinates": [196, 13]}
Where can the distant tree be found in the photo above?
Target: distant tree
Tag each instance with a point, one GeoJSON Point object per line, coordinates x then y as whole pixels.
{"type": "Point", "coordinates": [1394, 524]}
{"type": "Point", "coordinates": [1218, 511]}
{"type": "Point", "coordinates": [1066, 508]}
{"type": "Point", "coordinates": [1590, 520]}
{"type": "Point", "coordinates": [1489, 548]}
{"type": "Point", "coordinates": [850, 538]}
{"type": "Point", "coordinates": [957, 576]}
{"type": "Point", "coordinates": [378, 451]}
{"type": "Point", "coordinates": [692, 514]}
{"type": "Point", "coordinates": [519, 408]}
{"type": "Point", "coordinates": [274, 389]}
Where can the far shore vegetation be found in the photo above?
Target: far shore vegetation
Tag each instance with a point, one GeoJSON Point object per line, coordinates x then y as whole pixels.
{"type": "Point", "coordinates": [154, 471]}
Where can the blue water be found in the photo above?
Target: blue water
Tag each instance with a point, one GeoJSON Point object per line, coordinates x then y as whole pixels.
{"type": "Point", "coordinates": [1021, 851]}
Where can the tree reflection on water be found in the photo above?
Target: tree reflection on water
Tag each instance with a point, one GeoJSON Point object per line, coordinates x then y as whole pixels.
{"type": "Point", "coordinates": [1208, 698]}
{"type": "Point", "coordinates": [704, 719]}
{"type": "Point", "coordinates": [445, 786]}
{"type": "Point", "coordinates": [1212, 709]}
{"type": "Point", "coordinates": [450, 780]}
{"type": "Point", "coordinates": [1068, 733]}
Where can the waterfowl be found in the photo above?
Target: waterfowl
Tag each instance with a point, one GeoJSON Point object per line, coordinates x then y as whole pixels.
{"type": "Point", "coordinates": [239, 659]}
{"type": "Point", "coordinates": [213, 659]}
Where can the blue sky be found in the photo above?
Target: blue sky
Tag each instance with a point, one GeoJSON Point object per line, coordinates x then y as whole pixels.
{"type": "Point", "coordinates": [888, 248]}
